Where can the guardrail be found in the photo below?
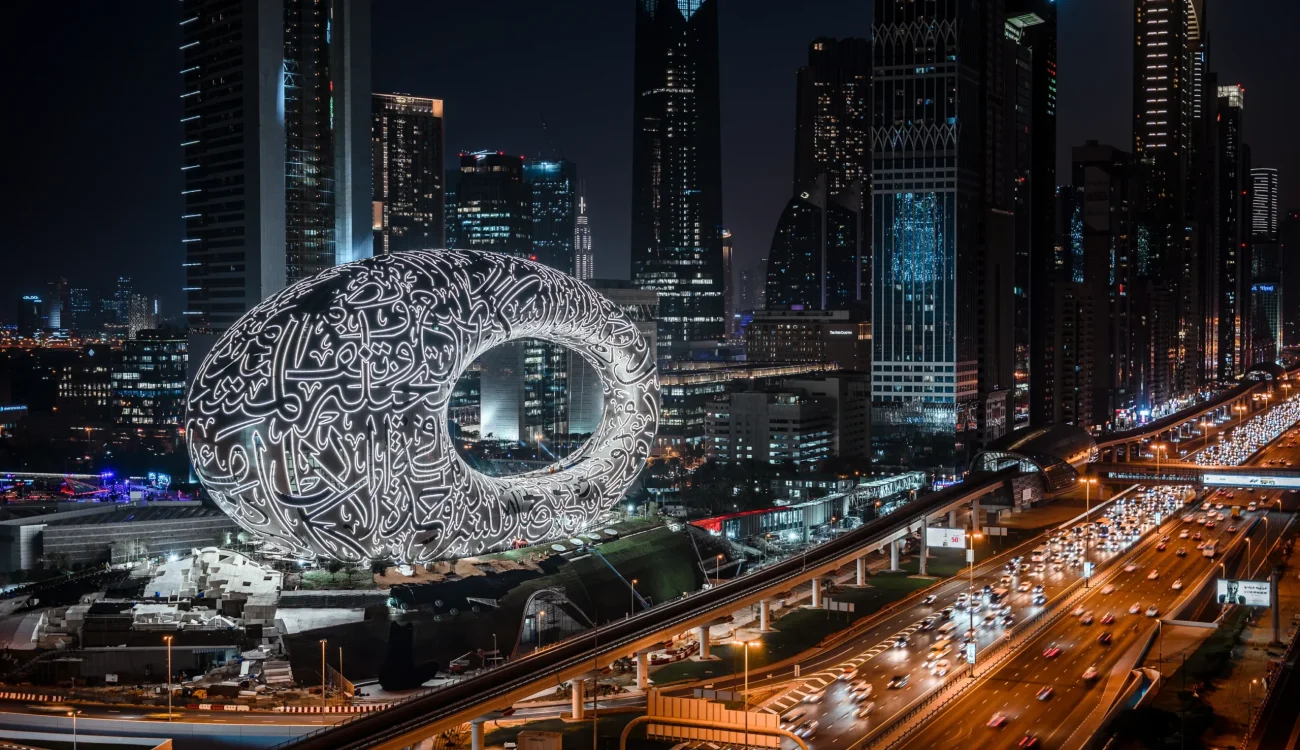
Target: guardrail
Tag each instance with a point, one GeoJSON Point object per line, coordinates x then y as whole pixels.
{"type": "Point", "coordinates": [902, 725]}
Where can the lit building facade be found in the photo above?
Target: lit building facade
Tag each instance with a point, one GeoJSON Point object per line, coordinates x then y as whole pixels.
{"type": "Point", "coordinates": [275, 149]}
{"type": "Point", "coordinates": [406, 137]}
{"type": "Point", "coordinates": [832, 115]}
{"type": "Point", "coordinates": [584, 262]}
{"type": "Point", "coordinates": [943, 242]}
{"type": "Point", "coordinates": [677, 170]}
{"type": "Point", "coordinates": [815, 262]}
{"type": "Point", "coordinates": [1267, 291]}
{"type": "Point", "coordinates": [838, 337]}
{"type": "Point", "coordinates": [554, 184]}
{"type": "Point", "coordinates": [771, 428]}
{"type": "Point", "coordinates": [1234, 257]}
{"type": "Point", "coordinates": [148, 383]}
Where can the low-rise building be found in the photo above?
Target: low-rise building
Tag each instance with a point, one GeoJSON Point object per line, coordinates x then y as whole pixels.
{"type": "Point", "coordinates": [771, 428]}
{"type": "Point", "coordinates": [833, 337]}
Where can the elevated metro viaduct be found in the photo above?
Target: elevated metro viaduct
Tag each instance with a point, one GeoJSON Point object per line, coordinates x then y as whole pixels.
{"type": "Point", "coordinates": [1147, 473]}
{"type": "Point", "coordinates": [422, 717]}
{"type": "Point", "coordinates": [1261, 383]}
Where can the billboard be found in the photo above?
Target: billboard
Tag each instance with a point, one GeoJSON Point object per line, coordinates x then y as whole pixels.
{"type": "Point", "coordinates": [1249, 593]}
{"type": "Point", "coordinates": [1250, 480]}
{"type": "Point", "coordinates": [945, 537]}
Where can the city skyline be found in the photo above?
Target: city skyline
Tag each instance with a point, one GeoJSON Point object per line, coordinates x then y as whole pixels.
{"type": "Point", "coordinates": [759, 57]}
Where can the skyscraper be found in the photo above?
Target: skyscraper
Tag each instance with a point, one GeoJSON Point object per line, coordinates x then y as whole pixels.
{"type": "Point", "coordinates": [815, 262]}
{"type": "Point", "coordinates": [832, 115]}
{"type": "Point", "coordinates": [406, 137]}
{"type": "Point", "coordinates": [677, 170]}
{"type": "Point", "coordinates": [943, 245]}
{"type": "Point", "coordinates": [1289, 239]}
{"type": "Point", "coordinates": [584, 263]}
{"type": "Point", "coordinates": [275, 129]}
{"type": "Point", "coordinates": [554, 184]}
{"type": "Point", "coordinates": [494, 204]}
{"type": "Point", "coordinates": [1167, 33]}
{"type": "Point", "coordinates": [1266, 290]}
{"type": "Point", "coordinates": [1234, 222]}
{"type": "Point", "coordinates": [1032, 25]}
{"type": "Point", "coordinates": [818, 259]}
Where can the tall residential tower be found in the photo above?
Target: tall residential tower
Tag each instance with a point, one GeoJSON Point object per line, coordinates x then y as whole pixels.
{"type": "Point", "coordinates": [406, 137]}
{"type": "Point", "coordinates": [677, 170]}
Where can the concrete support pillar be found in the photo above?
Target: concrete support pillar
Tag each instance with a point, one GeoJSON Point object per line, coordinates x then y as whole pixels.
{"type": "Point", "coordinates": [476, 735]}
{"type": "Point", "coordinates": [702, 633]}
{"type": "Point", "coordinates": [765, 616]}
{"type": "Point", "coordinates": [975, 514]}
{"type": "Point", "coordinates": [893, 554]}
{"type": "Point", "coordinates": [579, 703]}
{"type": "Point", "coordinates": [643, 670]}
{"type": "Point", "coordinates": [862, 571]}
{"type": "Point", "coordinates": [816, 593]}
{"type": "Point", "coordinates": [423, 745]}
{"type": "Point", "coordinates": [952, 519]}
{"type": "Point", "coordinates": [925, 548]}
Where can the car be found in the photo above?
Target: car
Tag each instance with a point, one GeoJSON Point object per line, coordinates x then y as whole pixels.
{"type": "Point", "coordinates": [1164, 538]}
{"type": "Point", "coordinates": [938, 651]}
{"type": "Point", "coordinates": [1189, 518]}
{"type": "Point", "coordinates": [1040, 599]}
{"type": "Point", "coordinates": [1153, 575]}
{"type": "Point", "coordinates": [997, 721]}
{"type": "Point", "coordinates": [1131, 567]}
{"type": "Point", "coordinates": [926, 624]}
{"type": "Point", "coordinates": [808, 729]}
{"type": "Point", "coordinates": [901, 641]}
{"type": "Point", "coordinates": [848, 674]}
{"type": "Point", "coordinates": [1008, 620]}
{"type": "Point", "coordinates": [1024, 586]}
{"type": "Point", "coordinates": [1218, 506]}
{"type": "Point", "coordinates": [1078, 611]}
{"type": "Point", "coordinates": [1086, 619]}
{"type": "Point", "coordinates": [897, 681]}
{"type": "Point", "coordinates": [1177, 585]}
{"type": "Point", "coordinates": [931, 599]}
{"type": "Point", "coordinates": [814, 697]}
{"type": "Point", "coordinates": [1104, 638]}
{"type": "Point", "coordinates": [1090, 673]}
{"type": "Point", "coordinates": [1107, 618]}
{"type": "Point", "coordinates": [1030, 740]}
{"type": "Point", "coordinates": [790, 721]}
{"type": "Point", "coordinates": [1181, 552]}
{"type": "Point", "coordinates": [1200, 545]}
{"type": "Point", "coordinates": [940, 668]}
{"type": "Point", "coordinates": [1005, 581]}
{"type": "Point", "coordinates": [866, 709]}
{"type": "Point", "coordinates": [1107, 589]}
{"type": "Point", "coordinates": [1052, 652]}
{"type": "Point", "coordinates": [1045, 693]}
{"type": "Point", "coordinates": [1038, 588]}
{"type": "Point", "coordinates": [1161, 547]}
{"type": "Point", "coordinates": [1135, 608]}
{"type": "Point", "coordinates": [862, 688]}
{"type": "Point", "coordinates": [1184, 534]}
{"type": "Point", "coordinates": [963, 596]}
{"type": "Point", "coordinates": [1197, 537]}
{"type": "Point", "coordinates": [946, 612]}
{"type": "Point", "coordinates": [1152, 611]}
{"type": "Point", "coordinates": [1232, 529]}
{"type": "Point", "coordinates": [1209, 525]}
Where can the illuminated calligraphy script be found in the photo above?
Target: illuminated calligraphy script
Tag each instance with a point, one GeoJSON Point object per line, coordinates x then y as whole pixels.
{"type": "Point", "coordinates": [319, 421]}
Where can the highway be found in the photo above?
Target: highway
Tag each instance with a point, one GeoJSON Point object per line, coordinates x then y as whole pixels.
{"type": "Point", "coordinates": [873, 651]}
{"type": "Point", "coordinates": [1012, 690]}
{"type": "Point", "coordinates": [836, 714]}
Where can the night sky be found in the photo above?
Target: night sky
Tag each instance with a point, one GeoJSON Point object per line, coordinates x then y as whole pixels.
{"type": "Point", "coordinates": [91, 179]}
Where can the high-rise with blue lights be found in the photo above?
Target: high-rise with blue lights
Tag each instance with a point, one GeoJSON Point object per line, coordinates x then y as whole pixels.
{"type": "Point", "coordinates": [275, 137]}
{"type": "Point", "coordinates": [943, 222]}
{"type": "Point", "coordinates": [1266, 291]}
{"type": "Point", "coordinates": [677, 170]}
{"type": "Point", "coordinates": [554, 184]}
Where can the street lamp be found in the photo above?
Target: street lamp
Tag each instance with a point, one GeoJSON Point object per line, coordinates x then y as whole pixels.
{"type": "Point", "coordinates": [74, 713]}
{"type": "Point", "coordinates": [970, 594]}
{"type": "Point", "coordinates": [1157, 447]}
{"type": "Point", "coordinates": [168, 640]}
{"type": "Point", "coordinates": [745, 694]}
{"type": "Point", "coordinates": [717, 563]}
{"type": "Point", "coordinates": [540, 614]}
{"type": "Point", "coordinates": [632, 603]}
{"type": "Point", "coordinates": [322, 672]}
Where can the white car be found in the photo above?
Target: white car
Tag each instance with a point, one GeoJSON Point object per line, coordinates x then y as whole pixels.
{"type": "Point", "coordinates": [1130, 567]}
{"type": "Point", "coordinates": [1178, 585]}
{"type": "Point", "coordinates": [1108, 589]}
{"type": "Point", "coordinates": [1153, 575]}
{"type": "Point", "coordinates": [1078, 611]}
{"type": "Point", "coordinates": [1152, 611]}
{"type": "Point", "coordinates": [1135, 608]}
{"type": "Point", "coordinates": [1090, 673]}
{"type": "Point", "coordinates": [940, 668]}
{"type": "Point", "coordinates": [814, 697]}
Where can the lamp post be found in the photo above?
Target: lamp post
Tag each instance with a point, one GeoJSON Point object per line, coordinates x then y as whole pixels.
{"type": "Point", "coordinates": [745, 694]}
{"type": "Point", "coordinates": [1250, 700]}
{"type": "Point", "coordinates": [74, 713]}
{"type": "Point", "coordinates": [1157, 447]}
{"type": "Point", "coordinates": [1250, 553]}
{"type": "Point", "coordinates": [340, 667]}
{"type": "Point", "coordinates": [970, 595]}
{"type": "Point", "coordinates": [540, 614]}
{"type": "Point", "coordinates": [717, 564]}
{"type": "Point", "coordinates": [322, 672]}
{"type": "Point", "coordinates": [632, 603]}
{"type": "Point", "coordinates": [168, 640]}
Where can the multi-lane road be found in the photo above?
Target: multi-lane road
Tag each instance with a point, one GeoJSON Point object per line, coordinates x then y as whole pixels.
{"type": "Point", "coordinates": [1074, 707]}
